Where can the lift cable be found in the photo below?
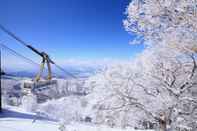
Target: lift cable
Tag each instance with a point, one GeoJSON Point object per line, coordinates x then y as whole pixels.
{"type": "Point", "coordinates": [62, 69]}
{"type": "Point", "coordinates": [42, 54]}
{"type": "Point", "coordinates": [18, 54]}
{"type": "Point", "coordinates": [7, 74]}
{"type": "Point", "coordinates": [13, 35]}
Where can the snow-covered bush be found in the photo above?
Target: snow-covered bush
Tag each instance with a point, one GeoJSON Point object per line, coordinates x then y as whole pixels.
{"type": "Point", "coordinates": [29, 102]}
{"type": "Point", "coordinates": [68, 108]}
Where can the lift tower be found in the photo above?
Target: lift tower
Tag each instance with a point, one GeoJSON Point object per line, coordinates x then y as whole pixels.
{"type": "Point", "coordinates": [0, 97]}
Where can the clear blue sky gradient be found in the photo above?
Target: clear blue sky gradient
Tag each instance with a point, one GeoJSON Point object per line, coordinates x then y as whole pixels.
{"type": "Point", "coordinates": [82, 29]}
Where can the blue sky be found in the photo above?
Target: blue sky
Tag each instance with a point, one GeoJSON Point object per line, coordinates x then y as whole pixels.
{"type": "Point", "coordinates": [69, 29]}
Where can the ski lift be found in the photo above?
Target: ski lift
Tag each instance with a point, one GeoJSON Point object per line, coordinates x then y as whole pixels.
{"type": "Point", "coordinates": [43, 89]}
{"type": "Point", "coordinates": [37, 85]}
{"type": "Point", "coordinates": [45, 60]}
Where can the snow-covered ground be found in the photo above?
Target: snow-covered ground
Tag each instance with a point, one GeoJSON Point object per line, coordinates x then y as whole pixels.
{"type": "Point", "coordinates": [18, 124]}
{"type": "Point", "coordinates": [16, 119]}
{"type": "Point", "coordinates": [82, 127]}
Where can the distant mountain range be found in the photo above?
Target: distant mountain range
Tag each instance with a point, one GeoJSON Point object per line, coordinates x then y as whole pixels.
{"type": "Point", "coordinates": [78, 72]}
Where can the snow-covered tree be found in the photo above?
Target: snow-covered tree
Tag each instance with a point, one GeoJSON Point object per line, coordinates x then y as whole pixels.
{"type": "Point", "coordinates": [160, 85]}
{"type": "Point", "coordinates": [168, 27]}
{"type": "Point", "coordinates": [166, 22]}
{"type": "Point", "coordinates": [155, 88]}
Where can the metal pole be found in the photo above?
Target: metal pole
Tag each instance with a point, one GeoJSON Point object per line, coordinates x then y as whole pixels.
{"type": "Point", "coordinates": [0, 86]}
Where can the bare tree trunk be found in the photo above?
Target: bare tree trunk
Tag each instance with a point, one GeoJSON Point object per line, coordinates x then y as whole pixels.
{"type": "Point", "coordinates": [163, 126]}
{"type": "Point", "coordinates": [163, 123]}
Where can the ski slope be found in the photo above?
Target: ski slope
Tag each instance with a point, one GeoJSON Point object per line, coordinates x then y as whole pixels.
{"type": "Point", "coordinates": [15, 124]}
{"type": "Point", "coordinates": [16, 119]}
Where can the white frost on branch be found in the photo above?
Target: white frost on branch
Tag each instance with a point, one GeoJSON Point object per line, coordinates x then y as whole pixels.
{"type": "Point", "coordinates": [170, 23]}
